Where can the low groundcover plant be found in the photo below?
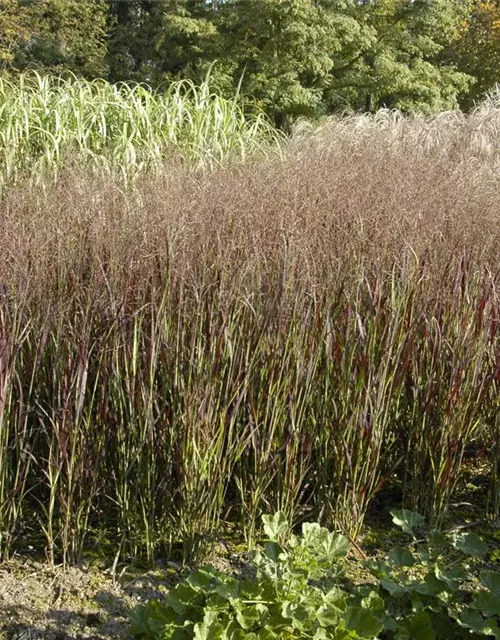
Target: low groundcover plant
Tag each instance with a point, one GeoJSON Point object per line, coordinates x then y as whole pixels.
{"type": "Point", "coordinates": [300, 589]}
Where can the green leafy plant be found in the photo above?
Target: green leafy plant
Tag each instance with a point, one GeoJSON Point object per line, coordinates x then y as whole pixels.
{"type": "Point", "coordinates": [428, 588]}
{"type": "Point", "coordinates": [300, 589]}
{"type": "Point", "coordinates": [293, 594]}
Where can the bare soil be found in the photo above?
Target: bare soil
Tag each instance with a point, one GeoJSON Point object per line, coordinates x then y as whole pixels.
{"type": "Point", "coordinates": [38, 601]}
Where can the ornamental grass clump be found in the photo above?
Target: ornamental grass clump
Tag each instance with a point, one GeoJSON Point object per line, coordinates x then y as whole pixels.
{"type": "Point", "coordinates": [46, 122]}
{"type": "Point", "coordinates": [198, 348]}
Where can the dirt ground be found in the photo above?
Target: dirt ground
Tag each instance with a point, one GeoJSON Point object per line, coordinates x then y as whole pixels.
{"type": "Point", "coordinates": [37, 601]}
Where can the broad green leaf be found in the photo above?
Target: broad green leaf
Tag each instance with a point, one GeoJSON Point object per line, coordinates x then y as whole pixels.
{"type": "Point", "coordinates": [180, 597]}
{"type": "Point", "coordinates": [152, 617]}
{"type": "Point", "coordinates": [378, 568]}
{"type": "Point", "coordinates": [471, 619]}
{"type": "Point", "coordinates": [328, 615]}
{"type": "Point", "coordinates": [313, 533]}
{"type": "Point", "coordinates": [263, 611]}
{"type": "Point", "coordinates": [275, 551]}
{"type": "Point", "coordinates": [200, 579]}
{"type": "Point", "coordinates": [233, 631]}
{"type": "Point", "coordinates": [363, 622]}
{"type": "Point", "coordinates": [474, 620]}
{"type": "Point", "coordinates": [491, 580]}
{"type": "Point", "coordinates": [229, 590]}
{"type": "Point", "coordinates": [266, 634]}
{"type": "Point", "coordinates": [437, 538]}
{"type": "Point", "coordinates": [276, 525]}
{"type": "Point", "coordinates": [297, 613]}
{"type": "Point", "coordinates": [401, 557]}
{"type": "Point", "coordinates": [423, 588]}
{"type": "Point", "coordinates": [391, 624]}
{"type": "Point", "coordinates": [407, 520]}
{"type": "Point", "coordinates": [487, 603]}
{"type": "Point", "coordinates": [336, 545]}
{"type": "Point", "coordinates": [336, 598]}
{"type": "Point", "coordinates": [217, 601]}
{"type": "Point", "coordinates": [471, 544]}
{"type": "Point", "coordinates": [420, 627]}
{"type": "Point", "coordinates": [443, 624]}
{"type": "Point", "coordinates": [236, 634]}
{"type": "Point", "coordinates": [373, 602]}
{"type": "Point", "coordinates": [182, 633]}
{"type": "Point", "coordinates": [394, 589]}
{"type": "Point", "coordinates": [491, 628]}
{"type": "Point", "coordinates": [248, 616]}
{"type": "Point", "coordinates": [434, 585]}
{"type": "Point", "coordinates": [250, 589]}
{"type": "Point", "coordinates": [209, 628]}
{"type": "Point", "coordinates": [451, 576]}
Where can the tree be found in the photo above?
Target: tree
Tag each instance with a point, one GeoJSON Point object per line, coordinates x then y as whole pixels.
{"type": "Point", "coordinates": [13, 30]}
{"type": "Point", "coordinates": [397, 64]}
{"type": "Point", "coordinates": [283, 52]}
{"type": "Point", "coordinates": [161, 41]}
{"type": "Point", "coordinates": [187, 38]}
{"type": "Point", "coordinates": [477, 51]}
{"type": "Point", "coordinates": [65, 35]}
{"type": "Point", "coordinates": [130, 40]}
{"type": "Point", "coordinates": [309, 57]}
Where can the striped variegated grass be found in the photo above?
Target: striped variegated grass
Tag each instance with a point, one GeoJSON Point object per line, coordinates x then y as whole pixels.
{"type": "Point", "coordinates": [47, 121]}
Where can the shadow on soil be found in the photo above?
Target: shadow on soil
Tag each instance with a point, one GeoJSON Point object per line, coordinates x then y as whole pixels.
{"type": "Point", "coordinates": [109, 620]}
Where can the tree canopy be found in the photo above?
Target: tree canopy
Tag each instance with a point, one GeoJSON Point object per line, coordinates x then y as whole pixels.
{"type": "Point", "coordinates": [477, 51]}
{"type": "Point", "coordinates": [293, 57]}
{"type": "Point", "coordinates": [12, 30]}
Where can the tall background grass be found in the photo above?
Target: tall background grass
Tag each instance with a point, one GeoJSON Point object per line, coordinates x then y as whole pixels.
{"type": "Point", "coordinates": [292, 332]}
{"type": "Point", "coordinates": [45, 121]}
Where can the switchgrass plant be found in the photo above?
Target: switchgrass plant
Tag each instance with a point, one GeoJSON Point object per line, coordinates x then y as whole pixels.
{"type": "Point", "coordinates": [365, 361]}
{"type": "Point", "coordinates": [15, 438]}
{"type": "Point", "coordinates": [287, 333]}
{"type": "Point", "coordinates": [451, 387]}
{"type": "Point", "coordinates": [46, 121]}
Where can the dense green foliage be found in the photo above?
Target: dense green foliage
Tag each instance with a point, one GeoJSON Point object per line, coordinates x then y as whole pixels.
{"type": "Point", "coordinates": [303, 57]}
{"type": "Point", "coordinates": [300, 589]}
{"type": "Point", "coordinates": [477, 51]}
